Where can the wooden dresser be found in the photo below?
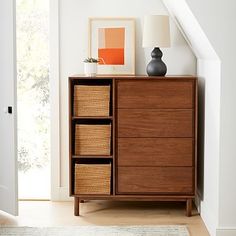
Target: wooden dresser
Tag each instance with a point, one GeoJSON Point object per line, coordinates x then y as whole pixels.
{"type": "Point", "coordinates": [153, 139]}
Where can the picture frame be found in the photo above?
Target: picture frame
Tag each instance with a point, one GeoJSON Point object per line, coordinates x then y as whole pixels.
{"type": "Point", "coordinates": [112, 41]}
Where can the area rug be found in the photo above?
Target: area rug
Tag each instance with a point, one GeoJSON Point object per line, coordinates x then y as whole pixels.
{"type": "Point", "coordinates": [167, 230]}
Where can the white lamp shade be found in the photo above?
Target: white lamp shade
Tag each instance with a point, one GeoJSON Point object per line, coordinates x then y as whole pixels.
{"type": "Point", "coordinates": [156, 31]}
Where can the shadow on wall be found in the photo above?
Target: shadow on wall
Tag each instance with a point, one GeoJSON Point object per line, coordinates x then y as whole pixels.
{"type": "Point", "coordinates": [201, 137]}
{"type": "Point", "coordinates": [140, 57]}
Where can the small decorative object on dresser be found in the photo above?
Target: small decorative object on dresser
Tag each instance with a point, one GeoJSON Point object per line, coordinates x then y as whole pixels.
{"type": "Point", "coordinates": [156, 34]}
{"type": "Point", "coordinates": [90, 66]}
{"type": "Point", "coordinates": [139, 144]}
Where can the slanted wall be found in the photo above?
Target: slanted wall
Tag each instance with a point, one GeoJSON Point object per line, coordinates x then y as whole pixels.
{"type": "Point", "coordinates": [209, 72]}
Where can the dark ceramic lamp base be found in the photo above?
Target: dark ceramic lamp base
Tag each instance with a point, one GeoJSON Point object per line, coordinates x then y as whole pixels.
{"type": "Point", "coordinates": [156, 67]}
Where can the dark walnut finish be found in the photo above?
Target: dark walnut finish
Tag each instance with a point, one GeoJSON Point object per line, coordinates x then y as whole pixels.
{"type": "Point", "coordinates": [161, 180]}
{"type": "Point", "coordinates": [154, 138]}
{"type": "Point", "coordinates": [152, 95]}
{"type": "Point", "coordinates": [157, 152]}
{"type": "Point", "coordinates": [167, 123]}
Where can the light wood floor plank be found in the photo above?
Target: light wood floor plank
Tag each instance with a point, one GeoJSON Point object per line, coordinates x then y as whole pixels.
{"type": "Point", "coordinates": [43, 213]}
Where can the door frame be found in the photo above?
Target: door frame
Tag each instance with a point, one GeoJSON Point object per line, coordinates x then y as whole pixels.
{"type": "Point", "coordinates": [58, 192]}
{"type": "Point", "coordinates": [8, 60]}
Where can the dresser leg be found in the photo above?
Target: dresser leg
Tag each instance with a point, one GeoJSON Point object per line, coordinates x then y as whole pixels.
{"type": "Point", "coordinates": [76, 206]}
{"type": "Point", "coordinates": [81, 201]}
{"type": "Point", "coordinates": [189, 207]}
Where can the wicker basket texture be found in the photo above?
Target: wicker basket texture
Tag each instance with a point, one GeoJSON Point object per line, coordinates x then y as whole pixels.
{"type": "Point", "coordinates": [92, 139]}
{"type": "Point", "coordinates": [92, 179]}
{"type": "Point", "coordinates": [91, 100]}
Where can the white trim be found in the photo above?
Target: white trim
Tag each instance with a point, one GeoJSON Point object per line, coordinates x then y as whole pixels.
{"type": "Point", "coordinates": [55, 99]}
{"type": "Point", "coordinates": [182, 15]}
{"type": "Point", "coordinates": [61, 194]}
{"type": "Point", "coordinates": [15, 110]}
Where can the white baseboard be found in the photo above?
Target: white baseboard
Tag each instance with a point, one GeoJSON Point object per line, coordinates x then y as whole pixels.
{"type": "Point", "coordinates": [226, 231]}
{"type": "Point", "coordinates": [61, 194]}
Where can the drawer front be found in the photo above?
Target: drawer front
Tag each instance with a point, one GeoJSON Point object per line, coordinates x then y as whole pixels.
{"type": "Point", "coordinates": [155, 123]}
{"type": "Point", "coordinates": [155, 94]}
{"type": "Point", "coordinates": [155, 152]}
{"type": "Point", "coordinates": [162, 180]}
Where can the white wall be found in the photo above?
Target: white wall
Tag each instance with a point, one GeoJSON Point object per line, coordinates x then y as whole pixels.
{"type": "Point", "coordinates": [209, 140]}
{"type": "Point", "coordinates": [217, 19]}
{"type": "Point", "coordinates": [73, 48]}
{"type": "Point", "coordinates": [208, 70]}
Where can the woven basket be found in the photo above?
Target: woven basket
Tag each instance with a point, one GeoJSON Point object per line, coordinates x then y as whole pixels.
{"type": "Point", "coordinates": [92, 139]}
{"type": "Point", "coordinates": [92, 178]}
{"type": "Point", "coordinates": [91, 100]}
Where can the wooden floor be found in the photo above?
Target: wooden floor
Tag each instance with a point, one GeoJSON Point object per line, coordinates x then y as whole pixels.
{"type": "Point", "coordinates": [46, 213]}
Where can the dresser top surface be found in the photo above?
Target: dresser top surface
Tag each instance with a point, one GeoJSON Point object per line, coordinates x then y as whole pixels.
{"type": "Point", "coordinates": [169, 77]}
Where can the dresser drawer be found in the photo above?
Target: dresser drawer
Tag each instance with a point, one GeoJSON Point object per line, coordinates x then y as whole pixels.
{"type": "Point", "coordinates": [155, 123]}
{"type": "Point", "coordinates": [155, 94]}
{"type": "Point", "coordinates": [162, 180]}
{"type": "Point", "coordinates": [155, 152]}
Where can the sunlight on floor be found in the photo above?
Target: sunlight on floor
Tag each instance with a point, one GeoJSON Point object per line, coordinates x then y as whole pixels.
{"type": "Point", "coordinates": [46, 213]}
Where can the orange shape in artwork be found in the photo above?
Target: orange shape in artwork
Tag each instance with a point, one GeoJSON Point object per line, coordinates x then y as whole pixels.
{"type": "Point", "coordinates": [111, 56]}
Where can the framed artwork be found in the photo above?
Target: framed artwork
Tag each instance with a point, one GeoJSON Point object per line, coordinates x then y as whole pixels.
{"type": "Point", "coordinates": [112, 41]}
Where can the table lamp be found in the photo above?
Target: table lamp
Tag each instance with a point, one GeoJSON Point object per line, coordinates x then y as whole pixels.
{"type": "Point", "coordinates": [156, 34]}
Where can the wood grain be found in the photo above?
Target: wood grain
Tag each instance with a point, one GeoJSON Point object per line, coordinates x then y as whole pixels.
{"type": "Point", "coordinates": [152, 94]}
{"type": "Point", "coordinates": [70, 104]}
{"type": "Point", "coordinates": [155, 152]}
{"type": "Point", "coordinates": [59, 214]}
{"type": "Point", "coordinates": [113, 104]}
{"type": "Point", "coordinates": [154, 138]}
{"type": "Point", "coordinates": [137, 197]}
{"type": "Point", "coordinates": [179, 78]}
{"type": "Point", "coordinates": [155, 180]}
{"type": "Point", "coordinates": [76, 206]}
{"type": "Point", "coordinates": [189, 207]}
{"type": "Point", "coordinates": [155, 123]}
